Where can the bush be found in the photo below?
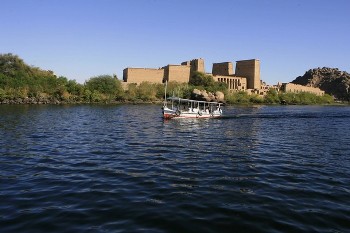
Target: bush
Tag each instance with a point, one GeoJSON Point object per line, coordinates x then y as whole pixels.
{"type": "Point", "coordinates": [327, 99]}
{"type": "Point", "coordinates": [146, 91]}
{"type": "Point", "coordinates": [104, 84]}
{"type": "Point", "coordinates": [96, 96]}
{"type": "Point", "coordinates": [202, 81]}
{"type": "Point", "coordinates": [182, 90]}
{"type": "Point", "coordinates": [272, 97]}
{"type": "Point", "coordinates": [2, 94]}
{"type": "Point", "coordinates": [240, 97]}
{"type": "Point", "coordinates": [256, 99]}
{"type": "Point", "coordinates": [131, 92]}
{"type": "Point", "coordinates": [305, 98]}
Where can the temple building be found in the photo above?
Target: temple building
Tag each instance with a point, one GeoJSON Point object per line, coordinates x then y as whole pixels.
{"type": "Point", "coordinates": [244, 75]}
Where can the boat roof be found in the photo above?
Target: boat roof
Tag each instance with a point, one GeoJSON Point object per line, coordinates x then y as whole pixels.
{"type": "Point", "coordinates": [188, 100]}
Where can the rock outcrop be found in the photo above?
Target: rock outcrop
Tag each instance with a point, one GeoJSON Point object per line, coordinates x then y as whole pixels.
{"type": "Point", "coordinates": [32, 100]}
{"type": "Point", "coordinates": [208, 96]}
{"type": "Point", "coordinates": [331, 80]}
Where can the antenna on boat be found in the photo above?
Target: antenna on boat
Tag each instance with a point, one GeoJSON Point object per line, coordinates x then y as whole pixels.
{"type": "Point", "coordinates": [166, 85]}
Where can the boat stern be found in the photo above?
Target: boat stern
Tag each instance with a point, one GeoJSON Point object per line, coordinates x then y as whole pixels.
{"type": "Point", "coordinates": [168, 113]}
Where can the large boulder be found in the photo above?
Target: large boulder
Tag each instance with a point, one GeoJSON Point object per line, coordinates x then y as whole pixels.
{"type": "Point", "coordinates": [207, 96]}
{"type": "Point", "coordinates": [219, 96]}
{"type": "Point", "coordinates": [196, 94]}
{"type": "Point", "coordinates": [196, 91]}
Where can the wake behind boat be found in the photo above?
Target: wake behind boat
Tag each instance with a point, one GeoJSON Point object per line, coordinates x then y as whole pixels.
{"type": "Point", "coordinates": [175, 107]}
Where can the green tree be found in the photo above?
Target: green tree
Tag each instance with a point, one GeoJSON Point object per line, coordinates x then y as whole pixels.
{"type": "Point", "coordinates": [218, 86]}
{"type": "Point", "coordinates": [87, 96]}
{"type": "Point", "coordinates": [131, 92]}
{"type": "Point", "coordinates": [11, 65]}
{"type": "Point", "coordinates": [106, 85]}
{"type": "Point", "coordinates": [326, 99]}
{"type": "Point", "coordinates": [22, 80]}
{"type": "Point", "coordinates": [240, 97]}
{"type": "Point", "coordinates": [271, 97]}
{"type": "Point", "coordinates": [75, 88]}
{"type": "Point", "coordinates": [160, 88]}
{"type": "Point", "coordinates": [2, 94]}
{"type": "Point", "coordinates": [147, 91]}
{"type": "Point", "coordinates": [182, 90]}
{"type": "Point", "coordinates": [201, 79]}
{"type": "Point", "coordinates": [256, 99]}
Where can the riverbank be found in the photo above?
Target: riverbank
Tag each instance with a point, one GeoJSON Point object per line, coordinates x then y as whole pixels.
{"type": "Point", "coordinates": [56, 101]}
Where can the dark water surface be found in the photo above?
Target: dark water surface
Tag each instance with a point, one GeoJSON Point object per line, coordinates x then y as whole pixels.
{"type": "Point", "coordinates": [123, 169]}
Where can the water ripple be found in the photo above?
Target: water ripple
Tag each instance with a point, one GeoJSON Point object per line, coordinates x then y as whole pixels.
{"type": "Point", "coordinates": [123, 169]}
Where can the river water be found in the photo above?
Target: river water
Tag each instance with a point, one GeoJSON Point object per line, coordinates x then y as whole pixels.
{"type": "Point", "coordinates": [122, 168]}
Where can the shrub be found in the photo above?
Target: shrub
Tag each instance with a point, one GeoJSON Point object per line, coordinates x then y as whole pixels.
{"type": "Point", "coordinates": [104, 84]}
{"type": "Point", "coordinates": [272, 97]}
{"type": "Point", "coordinates": [240, 97]}
{"type": "Point", "coordinates": [146, 91]}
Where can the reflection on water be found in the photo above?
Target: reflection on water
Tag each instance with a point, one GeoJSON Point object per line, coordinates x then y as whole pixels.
{"type": "Point", "coordinates": [122, 168]}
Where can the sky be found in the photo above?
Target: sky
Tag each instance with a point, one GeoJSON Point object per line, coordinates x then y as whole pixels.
{"type": "Point", "coordinates": [81, 39]}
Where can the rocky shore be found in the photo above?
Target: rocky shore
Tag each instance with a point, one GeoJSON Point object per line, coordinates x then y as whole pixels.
{"type": "Point", "coordinates": [55, 101]}
{"type": "Point", "coordinates": [31, 100]}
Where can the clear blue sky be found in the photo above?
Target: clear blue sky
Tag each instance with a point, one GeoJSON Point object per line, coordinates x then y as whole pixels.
{"type": "Point", "coordinates": [80, 39]}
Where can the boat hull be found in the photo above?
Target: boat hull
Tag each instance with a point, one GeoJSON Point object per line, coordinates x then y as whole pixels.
{"type": "Point", "coordinates": [172, 114]}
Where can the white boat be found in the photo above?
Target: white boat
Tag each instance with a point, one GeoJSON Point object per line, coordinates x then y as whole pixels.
{"type": "Point", "coordinates": [175, 107]}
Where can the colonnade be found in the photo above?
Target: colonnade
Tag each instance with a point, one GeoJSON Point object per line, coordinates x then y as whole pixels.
{"type": "Point", "coordinates": [232, 83]}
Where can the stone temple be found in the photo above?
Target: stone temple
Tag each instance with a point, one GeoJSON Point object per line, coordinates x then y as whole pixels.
{"type": "Point", "coordinates": [244, 76]}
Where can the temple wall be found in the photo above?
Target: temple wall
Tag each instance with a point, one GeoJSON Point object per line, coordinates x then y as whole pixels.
{"type": "Point", "coordinates": [251, 70]}
{"type": "Point", "coordinates": [224, 68]}
{"type": "Point", "coordinates": [178, 73]}
{"type": "Point", "coordinates": [197, 65]}
{"type": "Point", "coordinates": [295, 88]}
{"type": "Point", "coordinates": [139, 75]}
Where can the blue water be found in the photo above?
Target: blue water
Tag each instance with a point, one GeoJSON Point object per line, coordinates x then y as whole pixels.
{"type": "Point", "coordinates": [122, 168]}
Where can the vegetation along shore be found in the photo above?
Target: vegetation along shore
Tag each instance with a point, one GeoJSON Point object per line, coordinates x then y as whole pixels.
{"type": "Point", "coordinates": [24, 84]}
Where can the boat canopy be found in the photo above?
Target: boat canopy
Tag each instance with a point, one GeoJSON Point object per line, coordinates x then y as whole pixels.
{"type": "Point", "coordinates": [190, 101]}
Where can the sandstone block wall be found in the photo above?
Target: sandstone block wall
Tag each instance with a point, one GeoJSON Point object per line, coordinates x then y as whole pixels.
{"type": "Point", "coordinates": [179, 73]}
{"type": "Point", "coordinates": [291, 87]}
{"type": "Point", "coordinates": [251, 70]}
{"type": "Point", "coordinates": [197, 65]}
{"type": "Point", "coordinates": [224, 68]}
{"type": "Point", "coordinates": [139, 75]}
